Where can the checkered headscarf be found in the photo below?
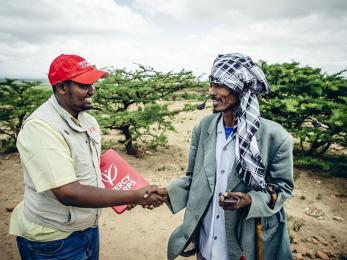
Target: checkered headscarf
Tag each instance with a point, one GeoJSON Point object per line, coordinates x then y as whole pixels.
{"type": "Point", "coordinates": [239, 73]}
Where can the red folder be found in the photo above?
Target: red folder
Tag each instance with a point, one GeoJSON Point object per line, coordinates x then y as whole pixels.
{"type": "Point", "coordinates": [117, 174]}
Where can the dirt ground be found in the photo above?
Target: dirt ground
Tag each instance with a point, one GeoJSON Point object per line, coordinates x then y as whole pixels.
{"type": "Point", "coordinates": [317, 212]}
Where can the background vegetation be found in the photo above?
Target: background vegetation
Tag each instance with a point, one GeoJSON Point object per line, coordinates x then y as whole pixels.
{"type": "Point", "coordinates": [308, 102]}
{"type": "Point", "coordinates": [137, 104]}
{"type": "Point", "coordinates": [18, 99]}
{"type": "Point", "coordinates": [312, 106]}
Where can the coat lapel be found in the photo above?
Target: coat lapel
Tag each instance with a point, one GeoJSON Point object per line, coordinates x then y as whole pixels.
{"type": "Point", "coordinates": [210, 157]}
{"type": "Point", "coordinates": [233, 180]}
{"type": "Point", "coordinates": [210, 153]}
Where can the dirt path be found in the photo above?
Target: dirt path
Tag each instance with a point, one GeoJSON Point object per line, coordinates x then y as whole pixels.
{"type": "Point", "coordinates": [143, 234]}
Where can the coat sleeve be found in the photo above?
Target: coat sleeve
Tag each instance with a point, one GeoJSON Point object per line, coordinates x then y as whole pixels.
{"type": "Point", "coordinates": [281, 176]}
{"type": "Point", "coordinates": [178, 189]}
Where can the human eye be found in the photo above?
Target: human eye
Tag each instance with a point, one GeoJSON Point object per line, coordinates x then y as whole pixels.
{"type": "Point", "coordinates": [85, 86]}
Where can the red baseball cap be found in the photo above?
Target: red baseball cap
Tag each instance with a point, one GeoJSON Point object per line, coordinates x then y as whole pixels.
{"type": "Point", "coordinates": [73, 67]}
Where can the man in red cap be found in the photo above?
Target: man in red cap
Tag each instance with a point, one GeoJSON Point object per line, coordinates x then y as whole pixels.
{"type": "Point", "coordinates": [59, 146]}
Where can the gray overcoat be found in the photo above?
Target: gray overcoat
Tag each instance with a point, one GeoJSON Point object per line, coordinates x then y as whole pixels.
{"type": "Point", "coordinates": [194, 192]}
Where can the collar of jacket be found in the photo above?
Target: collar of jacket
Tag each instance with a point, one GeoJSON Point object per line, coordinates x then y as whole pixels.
{"type": "Point", "coordinates": [210, 156]}
{"type": "Point", "coordinates": [66, 116]}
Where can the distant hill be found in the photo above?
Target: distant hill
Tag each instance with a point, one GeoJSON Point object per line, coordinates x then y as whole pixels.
{"type": "Point", "coordinates": [43, 81]}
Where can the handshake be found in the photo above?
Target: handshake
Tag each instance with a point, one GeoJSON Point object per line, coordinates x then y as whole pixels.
{"type": "Point", "coordinates": [152, 196]}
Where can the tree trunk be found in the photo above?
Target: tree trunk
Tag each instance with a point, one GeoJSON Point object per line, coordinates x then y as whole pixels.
{"type": "Point", "coordinates": [128, 141]}
{"type": "Point", "coordinates": [325, 148]}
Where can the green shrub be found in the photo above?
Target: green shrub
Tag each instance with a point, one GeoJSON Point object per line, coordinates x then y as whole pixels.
{"type": "Point", "coordinates": [18, 99]}
{"type": "Point", "coordinates": [134, 103]}
{"type": "Point", "coordinates": [328, 165]}
{"type": "Point", "coordinates": [309, 103]}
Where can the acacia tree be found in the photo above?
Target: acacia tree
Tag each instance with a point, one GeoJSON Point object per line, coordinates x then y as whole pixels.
{"type": "Point", "coordinates": [135, 102]}
{"type": "Point", "coordinates": [309, 103]}
{"type": "Point", "coordinates": [18, 99]}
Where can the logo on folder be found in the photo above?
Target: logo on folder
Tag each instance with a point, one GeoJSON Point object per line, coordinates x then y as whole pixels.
{"type": "Point", "coordinates": [117, 174]}
{"type": "Point", "coordinates": [110, 175]}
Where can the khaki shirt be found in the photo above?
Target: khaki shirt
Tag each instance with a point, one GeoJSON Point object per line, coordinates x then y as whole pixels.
{"type": "Point", "coordinates": [45, 145]}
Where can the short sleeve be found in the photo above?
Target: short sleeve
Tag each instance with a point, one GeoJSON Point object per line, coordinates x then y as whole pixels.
{"type": "Point", "coordinates": [45, 156]}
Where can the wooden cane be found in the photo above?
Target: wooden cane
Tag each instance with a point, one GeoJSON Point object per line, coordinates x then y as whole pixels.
{"type": "Point", "coordinates": [258, 231]}
{"type": "Point", "coordinates": [259, 227]}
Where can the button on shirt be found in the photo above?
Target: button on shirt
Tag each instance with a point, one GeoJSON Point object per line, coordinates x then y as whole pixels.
{"type": "Point", "coordinates": [212, 240]}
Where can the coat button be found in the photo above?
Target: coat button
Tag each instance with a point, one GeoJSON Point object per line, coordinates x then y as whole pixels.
{"type": "Point", "coordinates": [197, 217]}
{"type": "Point", "coordinates": [186, 236]}
{"type": "Point", "coordinates": [215, 237]}
{"type": "Point", "coordinates": [224, 149]}
{"type": "Point", "coordinates": [222, 171]}
{"type": "Point", "coordinates": [217, 216]}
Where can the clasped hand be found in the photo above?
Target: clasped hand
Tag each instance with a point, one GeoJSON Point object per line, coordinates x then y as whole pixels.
{"type": "Point", "coordinates": [152, 196]}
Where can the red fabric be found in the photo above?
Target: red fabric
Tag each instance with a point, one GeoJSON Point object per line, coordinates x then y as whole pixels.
{"type": "Point", "coordinates": [73, 67]}
{"type": "Point", "coordinates": [117, 174]}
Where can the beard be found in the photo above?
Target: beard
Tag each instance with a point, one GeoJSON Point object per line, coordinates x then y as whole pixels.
{"type": "Point", "coordinates": [234, 109]}
{"type": "Point", "coordinates": [79, 105]}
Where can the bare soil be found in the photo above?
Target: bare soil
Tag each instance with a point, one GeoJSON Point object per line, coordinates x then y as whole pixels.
{"type": "Point", "coordinates": [317, 212]}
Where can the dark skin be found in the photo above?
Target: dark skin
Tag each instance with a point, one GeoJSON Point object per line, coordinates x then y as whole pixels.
{"type": "Point", "coordinates": [74, 98]}
{"type": "Point", "coordinates": [78, 195]}
{"type": "Point", "coordinates": [225, 101]}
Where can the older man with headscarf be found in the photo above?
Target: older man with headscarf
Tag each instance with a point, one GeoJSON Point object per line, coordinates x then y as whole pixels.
{"type": "Point", "coordinates": [240, 173]}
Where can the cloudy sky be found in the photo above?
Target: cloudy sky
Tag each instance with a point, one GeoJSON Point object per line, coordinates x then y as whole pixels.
{"type": "Point", "coordinates": [170, 34]}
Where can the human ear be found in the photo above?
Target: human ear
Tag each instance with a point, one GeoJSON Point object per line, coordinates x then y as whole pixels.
{"type": "Point", "coordinates": [61, 88]}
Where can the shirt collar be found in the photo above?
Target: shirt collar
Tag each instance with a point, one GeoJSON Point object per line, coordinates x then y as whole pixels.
{"type": "Point", "coordinates": [221, 130]}
{"type": "Point", "coordinates": [72, 122]}
{"type": "Point", "coordinates": [220, 126]}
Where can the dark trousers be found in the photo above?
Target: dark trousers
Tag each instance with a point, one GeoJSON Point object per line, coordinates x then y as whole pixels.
{"type": "Point", "coordinates": [79, 245]}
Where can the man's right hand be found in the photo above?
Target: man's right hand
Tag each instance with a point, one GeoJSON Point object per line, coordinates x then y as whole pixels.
{"type": "Point", "coordinates": [79, 195]}
{"type": "Point", "coordinates": [153, 196]}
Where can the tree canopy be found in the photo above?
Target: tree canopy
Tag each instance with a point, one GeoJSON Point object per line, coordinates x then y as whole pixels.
{"type": "Point", "coordinates": [18, 99]}
{"type": "Point", "coordinates": [309, 103]}
{"type": "Point", "coordinates": [136, 103]}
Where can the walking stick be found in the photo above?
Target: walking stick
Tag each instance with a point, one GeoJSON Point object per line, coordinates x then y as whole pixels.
{"type": "Point", "coordinates": [258, 232]}
{"type": "Point", "coordinates": [259, 226]}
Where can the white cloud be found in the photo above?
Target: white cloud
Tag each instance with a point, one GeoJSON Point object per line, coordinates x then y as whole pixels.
{"type": "Point", "coordinates": [170, 34]}
{"type": "Point", "coordinates": [223, 10]}
{"type": "Point", "coordinates": [44, 18]}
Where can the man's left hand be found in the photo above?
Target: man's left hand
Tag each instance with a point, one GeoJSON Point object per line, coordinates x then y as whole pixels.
{"type": "Point", "coordinates": [234, 200]}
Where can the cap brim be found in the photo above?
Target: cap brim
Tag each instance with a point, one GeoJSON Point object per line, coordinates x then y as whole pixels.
{"type": "Point", "coordinates": [90, 76]}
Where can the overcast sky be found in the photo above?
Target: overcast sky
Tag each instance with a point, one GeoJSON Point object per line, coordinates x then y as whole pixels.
{"type": "Point", "coordinates": [170, 34]}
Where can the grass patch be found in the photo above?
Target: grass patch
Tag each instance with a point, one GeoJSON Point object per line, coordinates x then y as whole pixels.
{"type": "Point", "coordinates": [297, 226]}
{"type": "Point", "coordinates": [327, 165]}
{"type": "Point", "coordinates": [319, 196]}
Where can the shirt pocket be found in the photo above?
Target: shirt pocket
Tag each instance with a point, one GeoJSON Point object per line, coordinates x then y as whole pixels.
{"type": "Point", "coordinates": [49, 249]}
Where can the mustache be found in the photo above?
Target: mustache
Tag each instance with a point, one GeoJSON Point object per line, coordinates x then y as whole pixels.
{"type": "Point", "coordinates": [203, 104]}
{"type": "Point", "coordinates": [234, 109]}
